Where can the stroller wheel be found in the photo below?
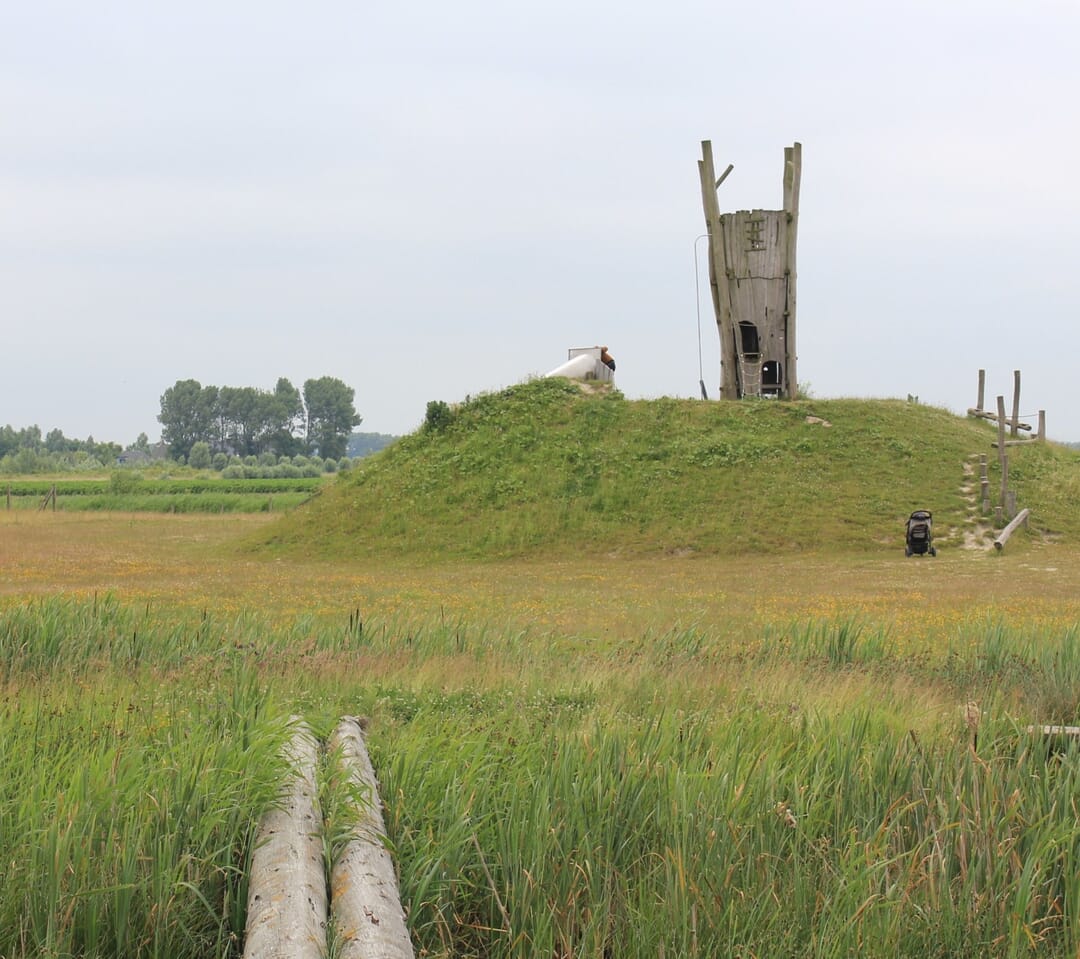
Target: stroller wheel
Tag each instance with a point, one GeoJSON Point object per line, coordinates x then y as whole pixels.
{"type": "Point", "coordinates": [933, 551]}
{"type": "Point", "coordinates": [907, 550]}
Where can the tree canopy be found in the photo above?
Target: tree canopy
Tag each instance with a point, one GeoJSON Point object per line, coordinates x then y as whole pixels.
{"type": "Point", "coordinates": [25, 451]}
{"type": "Point", "coordinates": [246, 421]}
{"type": "Point", "coordinates": [330, 416]}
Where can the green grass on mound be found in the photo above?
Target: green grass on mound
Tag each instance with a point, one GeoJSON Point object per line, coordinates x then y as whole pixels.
{"type": "Point", "coordinates": [544, 467]}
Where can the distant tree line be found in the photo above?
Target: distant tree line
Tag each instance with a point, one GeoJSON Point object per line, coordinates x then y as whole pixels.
{"type": "Point", "coordinates": [244, 421]}
{"type": "Point", "coordinates": [27, 451]}
{"type": "Point", "coordinates": [364, 444]}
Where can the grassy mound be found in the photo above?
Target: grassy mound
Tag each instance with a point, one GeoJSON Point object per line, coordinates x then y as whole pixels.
{"type": "Point", "coordinates": [543, 468]}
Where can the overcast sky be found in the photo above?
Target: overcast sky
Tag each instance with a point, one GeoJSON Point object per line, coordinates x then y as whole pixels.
{"type": "Point", "coordinates": [430, 200]}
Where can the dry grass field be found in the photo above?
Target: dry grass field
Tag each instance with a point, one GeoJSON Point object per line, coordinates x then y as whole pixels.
{"type": "Point", "coordinates": [192, 562]}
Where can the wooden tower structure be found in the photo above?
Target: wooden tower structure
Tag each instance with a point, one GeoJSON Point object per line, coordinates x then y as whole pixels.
{"type": "Point", "coordinates": [752, 277]}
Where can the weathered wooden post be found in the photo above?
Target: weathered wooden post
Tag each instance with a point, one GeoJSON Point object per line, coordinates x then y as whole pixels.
{"type": "Point", "coordinates": [1042, 425]}
{"type": "Point", "coordinates": [1003, 459]}
{"type": "Point", "coordinates": [752, 277]}
{"type": "Point", "coordinates": [717, 266]}
{"type": "Point", "coordinates": [984, 483]}
{"type": "Point", "coordinates": [982, 391]}
{"type": "Point", "coordinates": [1010, 503]}
{"type": "Point", "coordinates": [1016, 404]}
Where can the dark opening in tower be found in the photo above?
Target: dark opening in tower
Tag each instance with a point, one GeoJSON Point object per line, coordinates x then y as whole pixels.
{"type": "Point", "coordinates": [748, 337]}
{"type": "Point", "coordinates": [772, 377]}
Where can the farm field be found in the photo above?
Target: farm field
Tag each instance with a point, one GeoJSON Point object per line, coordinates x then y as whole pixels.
{"type": "Point", "coordinates": [131, 491]}
{"type": "Point", "coordinates": [821, 754]}
{"type": "Point", "coordinates": [190, 563]}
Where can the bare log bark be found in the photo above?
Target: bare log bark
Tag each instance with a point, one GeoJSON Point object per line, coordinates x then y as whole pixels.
{"type": "Point", "coordinates": [1003, 536]}
{"type": "Point", "coordinates": [287, 908]}
{"type": "Point", "coordinates": [365, 902]}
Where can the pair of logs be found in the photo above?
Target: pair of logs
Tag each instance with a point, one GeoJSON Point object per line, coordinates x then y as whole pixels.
{"type": "Point", "coordinates": [288, 905]}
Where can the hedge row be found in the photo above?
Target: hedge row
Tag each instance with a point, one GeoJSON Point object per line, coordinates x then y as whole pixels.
{"type": "Point", "coordinates": [166, 487]}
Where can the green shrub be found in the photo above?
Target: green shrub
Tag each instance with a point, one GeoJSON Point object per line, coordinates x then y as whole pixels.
{"type": "Point", "coordinates": [122, 481]}
{"type": "Point", "coordinates": [199, 458]}
{"type": "Point", "coordinates": [438, 416]}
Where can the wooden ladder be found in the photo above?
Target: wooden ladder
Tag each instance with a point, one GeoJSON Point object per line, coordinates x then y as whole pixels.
{"type": "Point", "coordinates": [750, 373]}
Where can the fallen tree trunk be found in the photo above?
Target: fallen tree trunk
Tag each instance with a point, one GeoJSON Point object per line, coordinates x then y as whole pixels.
{"type": "Point", "coordinates": [1003, 536]}
{"type": "Point", "coordinates": [365, 902]}
{"type": "Point", "coordinates": [287, 909]}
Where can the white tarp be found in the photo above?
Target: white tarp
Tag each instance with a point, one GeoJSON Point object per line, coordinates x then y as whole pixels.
{"type": "Point", "coordinates": [583, 364]}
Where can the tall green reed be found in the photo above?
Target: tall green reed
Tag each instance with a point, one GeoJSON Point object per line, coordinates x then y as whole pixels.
{"type": "Point", "coordinates": [127, 815]}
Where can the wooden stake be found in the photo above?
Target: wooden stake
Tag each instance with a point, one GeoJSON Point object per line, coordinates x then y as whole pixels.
{"type": "Point", "coordinates": [982, 390]}
{"type": "Point", "coordinates": [1003, 460]}
{"type": "Point", "coordinates": [984, 483]}
{"type": "Point", "coordinates": [1016, 401]}
{"type": "Point", "coordinates": [1042, 425]}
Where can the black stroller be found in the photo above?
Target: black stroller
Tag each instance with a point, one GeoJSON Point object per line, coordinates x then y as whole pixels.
{"type": "Point", "coordinates": [920, 534]}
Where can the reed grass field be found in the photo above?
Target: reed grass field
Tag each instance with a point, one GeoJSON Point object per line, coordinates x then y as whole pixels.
{"type": "Point", "coordinates": [583, 752]}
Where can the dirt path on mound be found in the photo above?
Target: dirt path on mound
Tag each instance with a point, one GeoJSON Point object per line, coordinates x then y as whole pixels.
{"type": "Point", "coordinates": [977, 531]}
